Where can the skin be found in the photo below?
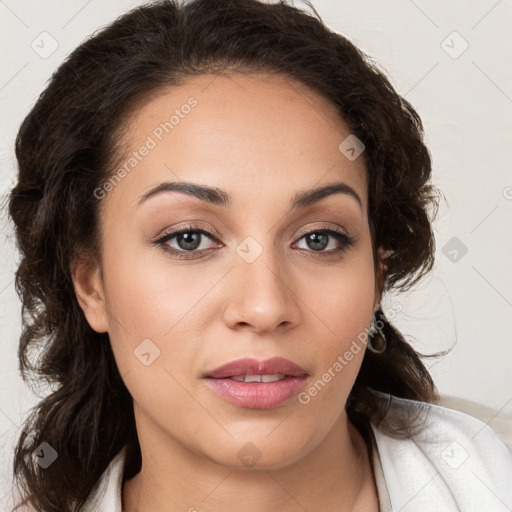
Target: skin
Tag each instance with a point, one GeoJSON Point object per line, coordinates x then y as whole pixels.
{"type": "Point", "coordinates": [262, 139]}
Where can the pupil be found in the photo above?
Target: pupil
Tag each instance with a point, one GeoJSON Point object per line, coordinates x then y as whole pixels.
{"type": "Point", "coordinates": [314, 238]}
{"type": "Point", "coordinates": [189, 241]}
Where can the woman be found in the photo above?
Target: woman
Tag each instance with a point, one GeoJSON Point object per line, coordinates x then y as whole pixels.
{"type": "Point", "coordinates": [212, 199]}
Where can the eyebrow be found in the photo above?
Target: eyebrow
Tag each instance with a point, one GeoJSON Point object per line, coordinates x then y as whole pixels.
{"type": "Point", "coordinates": [219, 197]}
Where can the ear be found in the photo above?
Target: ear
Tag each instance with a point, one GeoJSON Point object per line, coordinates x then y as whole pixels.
{"type": "Point", "coordinates": [380, 279]}
{"type": "Point", "coordinates": [90, 293]}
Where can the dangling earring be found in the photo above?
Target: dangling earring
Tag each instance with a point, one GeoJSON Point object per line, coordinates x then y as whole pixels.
{"type": "Point", "coordinates": [376, 333]}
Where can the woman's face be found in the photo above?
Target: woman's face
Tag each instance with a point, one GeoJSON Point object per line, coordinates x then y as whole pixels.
{"type": "Point", "coordinates": [256, 286]}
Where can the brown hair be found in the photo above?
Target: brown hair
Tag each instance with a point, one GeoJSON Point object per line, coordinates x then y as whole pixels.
{"type": "Point", "coordinates": [65, 149]}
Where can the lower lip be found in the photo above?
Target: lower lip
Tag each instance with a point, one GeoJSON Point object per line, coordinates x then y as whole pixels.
{"type": "Point", "coordinates": [257, 395]}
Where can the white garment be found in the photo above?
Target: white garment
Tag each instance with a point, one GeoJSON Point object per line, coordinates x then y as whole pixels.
{"type": "Point", "coordinates": [454, 463]}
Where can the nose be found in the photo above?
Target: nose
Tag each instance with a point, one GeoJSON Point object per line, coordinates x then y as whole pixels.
{"type": "Point", "coordinates": [260, 297]}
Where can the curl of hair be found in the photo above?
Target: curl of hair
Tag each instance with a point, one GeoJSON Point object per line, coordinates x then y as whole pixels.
{"type": "Point", "coordinates": [68, 145]}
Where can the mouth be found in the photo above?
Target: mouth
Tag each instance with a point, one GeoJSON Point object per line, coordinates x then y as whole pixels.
{"type": "Point", "coordinates": [257, 384]}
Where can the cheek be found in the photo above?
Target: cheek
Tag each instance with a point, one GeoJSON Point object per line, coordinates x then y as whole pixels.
{"type": "Point", "coordinates": [155, 309]}
{"type": "Point", "coordinates": [343, 297]}
{"type": "Point", "coordinates": [148, 294]}
{"type": "Point", "coordinates": [344, 311]}
{"type": "Point", "coordinates": [149, 313]}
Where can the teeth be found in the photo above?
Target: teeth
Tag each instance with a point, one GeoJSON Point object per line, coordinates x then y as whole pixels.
{"type": "Point", "coordinates": [259, 378]}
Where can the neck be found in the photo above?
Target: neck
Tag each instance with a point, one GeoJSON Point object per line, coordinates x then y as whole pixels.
{"type": "Point", "coordinates": [335, 475]}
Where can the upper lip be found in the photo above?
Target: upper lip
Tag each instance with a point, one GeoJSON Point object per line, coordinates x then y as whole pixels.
{"type": "Point", "coordinates": [250, 366]}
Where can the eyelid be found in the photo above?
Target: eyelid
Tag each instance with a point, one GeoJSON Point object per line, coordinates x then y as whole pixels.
{"type": "Point", "coordinates": [210, 232]}
{"type": "Point", "coordinates": [323, 227]}
{"type": "Point", "coordinates": [215, 234]}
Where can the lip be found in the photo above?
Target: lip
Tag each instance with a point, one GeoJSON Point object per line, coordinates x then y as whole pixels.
{"type": "Point", "coordinates": [250, 366]}
{"type": "Point", "coordinates": [257, 395]}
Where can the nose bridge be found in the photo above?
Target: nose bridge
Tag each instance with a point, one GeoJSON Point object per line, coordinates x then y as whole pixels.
{"type": "Point", "coordinates": [260, 268]}
{"type": "Point", "coordinates": [262, 294]}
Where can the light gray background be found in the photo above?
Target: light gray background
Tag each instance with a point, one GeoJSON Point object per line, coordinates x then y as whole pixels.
{"type": "Point", "coordinates": [464, 97]}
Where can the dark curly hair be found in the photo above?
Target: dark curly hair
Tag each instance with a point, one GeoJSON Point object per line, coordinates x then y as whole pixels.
{"type": "Point", "coordinates": [68, 145]}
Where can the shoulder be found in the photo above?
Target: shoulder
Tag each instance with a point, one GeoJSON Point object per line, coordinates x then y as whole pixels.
{"type": "Point", "coordinates": [452, 460]}
{"type": "Point", "coordinates": [498, 421]}
{"type": "Point", "coordinates": [450, 416]}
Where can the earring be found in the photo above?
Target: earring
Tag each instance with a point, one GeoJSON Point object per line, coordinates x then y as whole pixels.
{"type": "Point", "coordinates": [377, 334]}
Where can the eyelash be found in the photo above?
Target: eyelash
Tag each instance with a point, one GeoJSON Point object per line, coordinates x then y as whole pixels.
{"type": "Point", "coordinates": [345, 240]}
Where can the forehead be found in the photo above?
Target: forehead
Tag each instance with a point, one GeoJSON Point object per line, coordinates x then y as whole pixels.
{"type": "Point", "coordinates": [240, 133]}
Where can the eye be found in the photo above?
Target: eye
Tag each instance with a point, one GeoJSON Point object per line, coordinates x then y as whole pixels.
{"type": "Point", "coordinates": [189, 240]}
{"type": "Point", "coordinates": [318, 240]}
